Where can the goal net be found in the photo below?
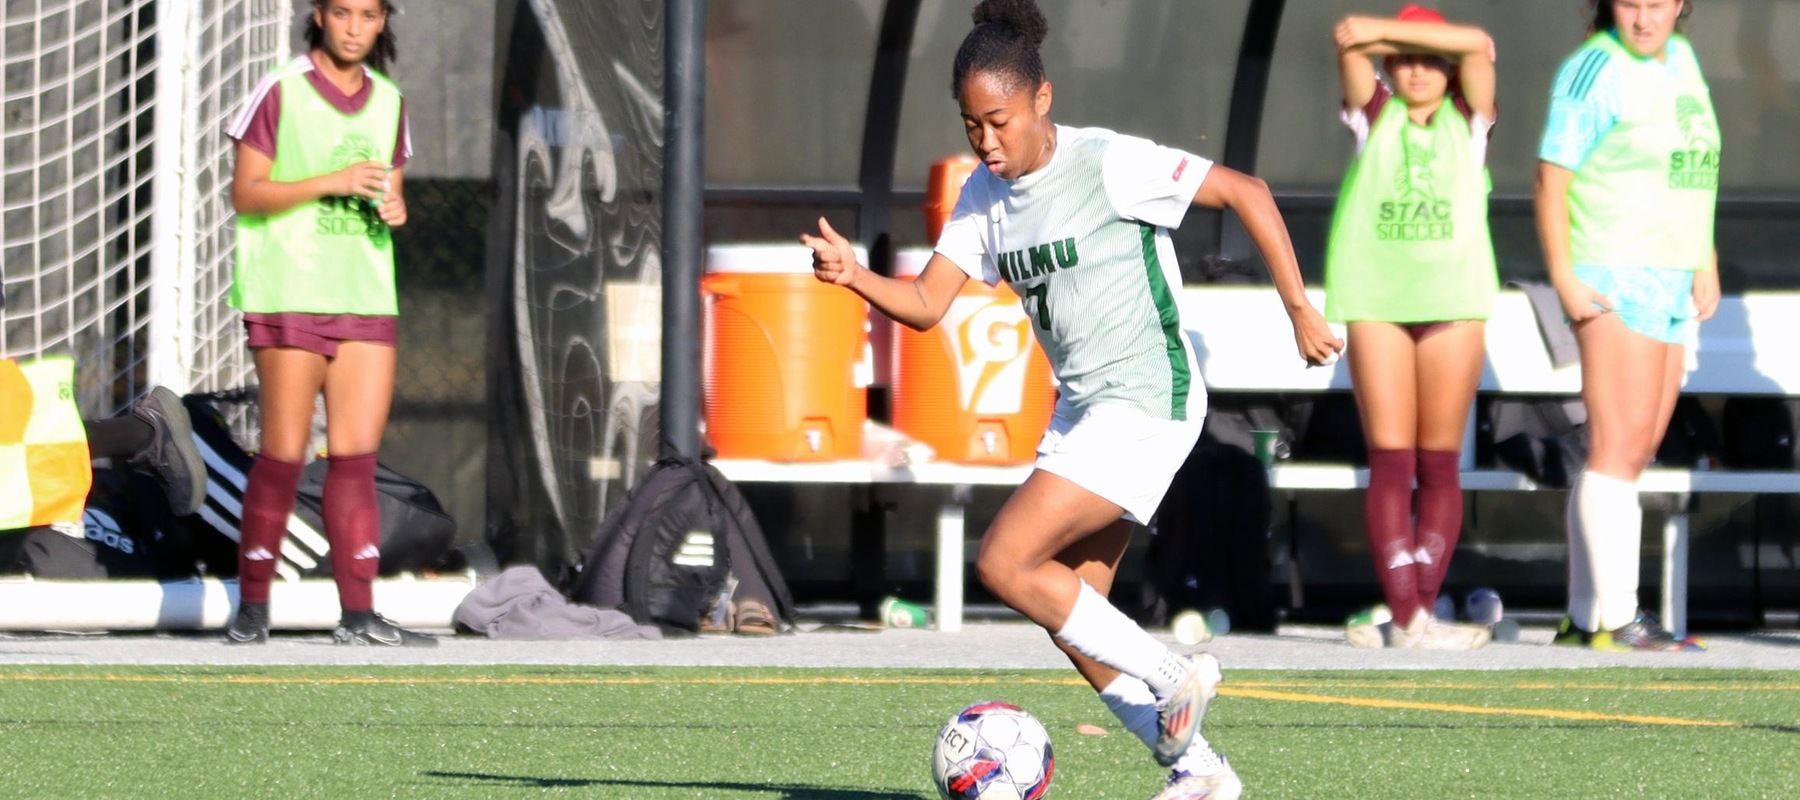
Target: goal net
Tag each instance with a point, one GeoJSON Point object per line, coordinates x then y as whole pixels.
{"type": "Point", "coordinates": [117, 220]}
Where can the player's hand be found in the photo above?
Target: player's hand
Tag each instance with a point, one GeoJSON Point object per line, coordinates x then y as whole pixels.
{"type": "Point", "coordinates": [368, 179]}
{"type": "Point", "coordinates": [1706, 293]}
{"type": "Point", "coordinates": [1314, 338]}
{"type": "Point", "coordinates": [392, 210]}
{"type": "Point", "coordinates": [1356, 30]}
{"type": "Point", "coordinates": [1580, 302]}
{"type": "Point", "coordinates": [834, 261]}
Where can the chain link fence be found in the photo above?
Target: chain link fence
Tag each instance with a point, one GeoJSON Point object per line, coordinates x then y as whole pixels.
{"type": "Point", "coordinates": [437, 431]}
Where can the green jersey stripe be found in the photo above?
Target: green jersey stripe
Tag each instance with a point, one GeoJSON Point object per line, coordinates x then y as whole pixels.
{"type": "Point", "coordinates": [1586, 75]}
{"type": "Point", "coordinates": [1169, 317]}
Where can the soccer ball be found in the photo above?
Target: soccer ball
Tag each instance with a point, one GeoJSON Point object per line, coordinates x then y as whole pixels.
{"type": "Point", "coordinates": [992, 751]}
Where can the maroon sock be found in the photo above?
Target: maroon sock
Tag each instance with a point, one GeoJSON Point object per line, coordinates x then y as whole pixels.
{"type": "Point", "coordinates": [353, 526]}
{"type": "Point", "coordinates": [1387, 520]}
{"type": "Point", "coordinates": [1440, 518]}
{"type": "Point", "coordinates": [268, 500]}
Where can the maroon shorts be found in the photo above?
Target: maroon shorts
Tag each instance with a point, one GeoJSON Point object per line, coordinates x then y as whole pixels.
{"type": "Point", "coordinates": [1420, 331]}
{"type": "Point", "coordinates": [318, 333]}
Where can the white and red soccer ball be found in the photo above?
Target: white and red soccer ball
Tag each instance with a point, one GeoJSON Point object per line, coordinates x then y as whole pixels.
{"type": "Point", "coordinates": [992, 751]}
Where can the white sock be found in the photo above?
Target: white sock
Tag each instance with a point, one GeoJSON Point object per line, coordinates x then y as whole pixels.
{"type": "Point", "coordinates": [1612, 523]}
{"type": "Point", "coordinates": [1133, 703]}
{"type": "Point", "coordinates": [1097, 630]}
{"type": "Point", "coordinates": [1581, 580]}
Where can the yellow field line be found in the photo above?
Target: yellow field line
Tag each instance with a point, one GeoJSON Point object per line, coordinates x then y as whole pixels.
{"type": "Point", "coordinates": [1722, 686]}
{"type": "Point", "coordinates": [1456, 708]}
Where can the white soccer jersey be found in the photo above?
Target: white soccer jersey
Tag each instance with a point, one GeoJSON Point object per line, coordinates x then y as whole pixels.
{"type": "Point", "coordinates": [1084, 241]}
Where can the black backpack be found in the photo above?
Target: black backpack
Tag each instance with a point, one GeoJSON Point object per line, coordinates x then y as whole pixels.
{"type": "Point", "coordinates": [1211, 548]}
{"type": "Point", "coordinates": [669, 553]}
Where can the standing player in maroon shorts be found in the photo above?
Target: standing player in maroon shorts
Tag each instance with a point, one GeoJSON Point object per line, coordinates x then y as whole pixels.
{"type": "Point", "coordinates": [317, 187]}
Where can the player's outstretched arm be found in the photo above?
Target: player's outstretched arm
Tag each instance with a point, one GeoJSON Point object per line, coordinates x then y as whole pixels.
{"type": "Point", "coordinates": [1249, 197]}
{"type": "Point", "coordinates": [917, 304]}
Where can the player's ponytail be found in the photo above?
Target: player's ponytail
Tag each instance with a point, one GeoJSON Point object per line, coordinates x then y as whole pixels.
{"type": "Point", "coordinates": [1005, 42]}
{"type": "Point", "coordinates": [380, 56]}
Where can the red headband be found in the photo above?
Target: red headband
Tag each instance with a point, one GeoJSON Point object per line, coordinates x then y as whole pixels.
{"type": "Point", "coordinates": [1413, 12]}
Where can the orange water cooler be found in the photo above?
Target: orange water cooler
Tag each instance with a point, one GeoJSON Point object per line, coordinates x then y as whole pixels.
{"type": "Point", "coordinates": [977, 387]}
{"type": "Point", "coordinates": [943, 185]}
{"type": "Point", "coordinates": [786, 358]}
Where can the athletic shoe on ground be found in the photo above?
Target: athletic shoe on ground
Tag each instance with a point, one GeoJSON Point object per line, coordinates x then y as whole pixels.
{"type": "Point", "coordinates": [1423, 632]}
{"type": "Point", "coordinates": [1222, 785]}
{"type": "Point", "coordinates": [172, 459]}
{"type": "Point", "coordinates": [1441, 635]}
{"type": "Point", "coordinates": [1567, 635]}
{"type": "Point", "coordinates": [1364, 628]}
{"type": "Point", "coordinates": [1645, 633]}
{"type": "Point", "coordinates": [1642, 633]}
{"type": "Point", "coordinates": [378, 631]}
{"type": "Point", "coordinates": [250, 625]}
{"type": "Point", "coordinates": [1178, 718]}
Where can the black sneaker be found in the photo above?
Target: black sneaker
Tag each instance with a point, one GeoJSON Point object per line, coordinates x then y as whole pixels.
{"type": "Point", "coordinates": [172, 459]}
{"type": "Point", "coordinates": [377, 630]}
{"type": "Point", "coordinates": [250, 625]}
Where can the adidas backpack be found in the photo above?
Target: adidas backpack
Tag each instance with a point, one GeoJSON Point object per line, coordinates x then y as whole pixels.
{"type": "Point", "coordinates": [668, 553]}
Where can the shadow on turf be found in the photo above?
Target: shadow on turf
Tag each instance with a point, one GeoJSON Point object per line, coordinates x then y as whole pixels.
{"type": "Point", "coordinates": [793, 791]}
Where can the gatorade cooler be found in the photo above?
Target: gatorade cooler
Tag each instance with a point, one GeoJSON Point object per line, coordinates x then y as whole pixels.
{"type": "Point", "coordinates": [942, 189]}
{"type": "Point", "coordinates": [786, 361]}
{"type": "Point", "coordinates": [977, 388]}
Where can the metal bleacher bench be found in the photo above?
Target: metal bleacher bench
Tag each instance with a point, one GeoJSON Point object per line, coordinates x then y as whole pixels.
{"type": "Point", "coordinates": [1246, 345]}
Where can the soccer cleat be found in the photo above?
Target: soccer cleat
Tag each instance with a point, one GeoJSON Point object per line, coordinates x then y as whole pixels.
{"type": "Point", "coordinates": [1567, 635]}
{"type": "Point", "coordinates": [380, 632]}
{"type": "Point", "coordinates": [1178, 718]}
{"type": "Point", "coordinates": [1645, 633]}
{"type": "Point", "coordinates": [172, 459]}
{"type": "Point", "coordinates": [250, 625]}
{"type": "Point", "coordinates": [1222, 785]}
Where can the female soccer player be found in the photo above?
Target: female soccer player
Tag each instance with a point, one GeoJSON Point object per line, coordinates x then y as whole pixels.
{"type": "Point", "coordinates": [317, 187]}
{"type": "Point", "coordinates": [1411, 269]}
{"type": "Point", "coordinates": [1077, 221]}
{"type": "Point", "coordinates": [1628, 175]}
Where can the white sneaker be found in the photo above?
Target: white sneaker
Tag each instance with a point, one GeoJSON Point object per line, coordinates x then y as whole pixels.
{"type": "Point", "coordinates": [1408, 636]}
{"type": "Point", "coordinates": [1364, 628]}
{"type": "Point", "coordinates": [1222, 785]}
{"type": "Point", "coordinates": [1440, 635]}
{"type": "Point", "coordinates": [1178, 719]}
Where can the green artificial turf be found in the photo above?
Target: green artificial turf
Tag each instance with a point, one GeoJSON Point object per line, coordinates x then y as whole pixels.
{"type": "Point", "coordinates": [510, 731]}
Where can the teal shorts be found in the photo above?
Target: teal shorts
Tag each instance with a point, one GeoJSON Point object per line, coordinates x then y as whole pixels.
{"type": "Point", "coordinates": [1656, 302]}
